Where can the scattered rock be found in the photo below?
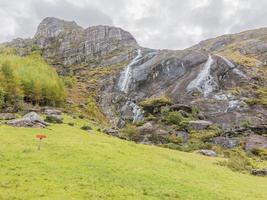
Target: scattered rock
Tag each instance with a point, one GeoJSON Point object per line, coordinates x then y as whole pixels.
{"type": "Point", "coordinates": [52, 112]}
{"type": "Point", "coordinates": [226, 142]}
{"type": "Point", "coordinates": [112, 132]}
{"type": "Point", "coordinates": [182, 134]}
{"type": "Point", "coordinates": [255, 141]}
{"type": "Point", "coordinates": [199, 124]}
{"type": "Point", "coordinates": [206, 152]}
{"type": "Point", "coordinates": [31, 119]}
{"type": "Point", "coordinates": [259, 172]}
{"type": "Point", "coordinates": [7, 116]}
{"type": "Point", "coordinates": [146, 128]}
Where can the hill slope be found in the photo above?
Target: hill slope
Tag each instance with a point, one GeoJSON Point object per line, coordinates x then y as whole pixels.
{"type": "Point", "coordinates": [76, 165]}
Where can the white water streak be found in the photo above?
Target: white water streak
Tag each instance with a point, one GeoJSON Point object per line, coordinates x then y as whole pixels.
{"type": "Point", "coordinates": [204, 82]}
{"type": "Point", "coordinates": [232, 66]}
{"type": "Point", "coordinates": [126, 75]}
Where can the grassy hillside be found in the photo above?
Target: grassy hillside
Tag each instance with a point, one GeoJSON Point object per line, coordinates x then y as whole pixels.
{"type": "Point", "coordinates": [75, 164]}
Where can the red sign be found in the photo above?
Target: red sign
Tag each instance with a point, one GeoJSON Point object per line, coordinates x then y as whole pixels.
{"type": "Point", "coordinates": [40, 136]}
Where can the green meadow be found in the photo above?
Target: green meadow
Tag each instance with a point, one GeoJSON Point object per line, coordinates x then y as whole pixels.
{"type": "Point", "coordinates": [76, 164]}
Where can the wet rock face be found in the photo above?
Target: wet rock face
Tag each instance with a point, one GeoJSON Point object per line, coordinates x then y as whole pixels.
{"type": "Point", "coordinates": [198, 76]}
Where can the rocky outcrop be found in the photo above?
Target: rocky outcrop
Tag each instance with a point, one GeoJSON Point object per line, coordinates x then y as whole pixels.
{"type": "Point", "coordinates": [199, 124]}
{"type": "Point", "coordinates": [206, 152]}
{"type": "Point", "coordinates": [31, 119]}
{"type": "Point", "coordinates": [259, 172]}
{"type": "Point", "coordinates": [223, 77]}
{"type": "Point", "coordinates": [255, 141]}
{"type": "Point", "coordinates": [7, 116]}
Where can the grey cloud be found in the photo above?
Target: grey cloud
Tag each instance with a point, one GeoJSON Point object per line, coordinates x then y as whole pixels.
{"type": "Point", "coordinates": [172, 24]}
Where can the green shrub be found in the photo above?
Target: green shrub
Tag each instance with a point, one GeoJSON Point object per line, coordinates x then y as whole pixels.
{"type": "Point", "coordinates": [69, 81]}
{"type": "Point", "coordinates": [261, 152]}
{"type": "Point", "coordinates": [173, 118]}
{"type": "Point", "coordinates": [71, 123]}
{"type": "Point", "coordinates": [53, 119]}
{"type": "Point", "coordinates": [86, 127]}
{"type": "Point", "coordinates": [156, 101]}
{"type": "Point", "coordinates": [131, 132]}
{"type": "Point", "coordinates": [174, 139]}
{"type": "Point", "coordinates": [238, 161]}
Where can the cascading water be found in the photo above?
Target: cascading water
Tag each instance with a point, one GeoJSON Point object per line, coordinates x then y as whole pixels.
{"type": "Point", "coordinates": [204, 82]}
{"type": "Point", "coordinates": [137, 112]}
{"type": "Point", "coordinates": [232, 66]}
{"type": "Point", "coordinates": [126, 75]}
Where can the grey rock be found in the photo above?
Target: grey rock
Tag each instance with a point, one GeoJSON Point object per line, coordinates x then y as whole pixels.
{"type": "Point", "coordinates": [226, 142]}
{"type": "Point", "coordinates": [199, 124]}
{"type": "Point", "coordinates": [259, 172]}
{"type": "Point", "coordinates": [206, 152]}
{"type": "Point", "coordinates": [52, 112]}
{"type": "Point", "coordinates": [31, 119]}
{"type": "Point", "coordinates": [7, 116]}
{"type": "Point", "coordinates": [146, 128]}
{"type": "Point", "coordinates": [112, 132]}
{"type": "Point", "coordinates": [255, 141]}
{"type": "Point", "coordinates": [182, 134]}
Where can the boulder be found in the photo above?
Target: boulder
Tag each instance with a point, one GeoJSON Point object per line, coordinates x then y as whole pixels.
{"type": "Point", "coordinates": [112, 132]}
{"type": "Point", "coordinates": [206, 152]}
{"type": "Point", "coordinates": [255, 141]}
{"type": "Point", "coordinates": [199, 124]}
{"type": "Point", "coordinates": [178, 107]}
{"type": "Point", "coordinates": [7, 116]}
{"type": "Point", "coordinates": [31, 119]}
{"type": "Point", "coordinates": [259, 172]}
{"type": "Point", "coordinates": [226, 142]}
{"type": "Point", "coordinates": [182, 134]}
{"type": "Point", "coordinates": [146, 128]}
{"type": "Point", "coordinates": [52, 112]}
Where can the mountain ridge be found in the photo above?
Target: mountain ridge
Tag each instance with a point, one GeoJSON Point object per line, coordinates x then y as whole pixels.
{"type": "Point", "coordinates": [223, 77]}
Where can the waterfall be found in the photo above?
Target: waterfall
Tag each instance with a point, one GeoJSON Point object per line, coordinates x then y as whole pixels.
{"type": "Point", "coordinates": [204, 82]}
{"type": "Point", "coordinates": [126, 75]}
{"type": "Point", "coordinates": [232, 66]}
{"type": "Point", "coordinates": [137, 112]}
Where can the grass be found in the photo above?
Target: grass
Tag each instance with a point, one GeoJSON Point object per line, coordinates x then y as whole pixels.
{"type": "Point", "coordinates": [75, 164]}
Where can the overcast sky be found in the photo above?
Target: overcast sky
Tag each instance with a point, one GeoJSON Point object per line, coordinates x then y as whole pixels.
{"type": "Point", "coordinates": [171, 24]}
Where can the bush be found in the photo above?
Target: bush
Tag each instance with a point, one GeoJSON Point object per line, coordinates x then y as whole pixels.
{"type": "Point", "coordinates": [173, 118]}
{"type": "Point", "coordinates": [86, 127]}
{"type": "Point", "coordinates": [54, 119]}
{"type": "Point", "coordinates": [71, 123]}
{"type": "Point", "coordinates": [261, 152]}
{"type": "Point", "coordinates": [156, 101]}
{"type": "Point", "coordinates": [131, 132]}
{"type": "Point", "coordinates": [238, 161]}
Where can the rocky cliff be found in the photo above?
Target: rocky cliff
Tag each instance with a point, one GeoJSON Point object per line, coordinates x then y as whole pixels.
{"type": "Point", "coordinates": [224, 77]}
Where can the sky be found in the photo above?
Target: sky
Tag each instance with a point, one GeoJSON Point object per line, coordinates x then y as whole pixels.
{"type": "Point", "coordinates": [159, 24]}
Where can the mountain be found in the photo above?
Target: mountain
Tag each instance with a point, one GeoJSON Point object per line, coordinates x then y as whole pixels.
{"type": "Point", "coordinates": [224, 78]}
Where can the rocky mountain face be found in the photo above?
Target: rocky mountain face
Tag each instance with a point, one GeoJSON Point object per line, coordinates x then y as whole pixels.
{"type": "Point", "coordinates": [225, 78]}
